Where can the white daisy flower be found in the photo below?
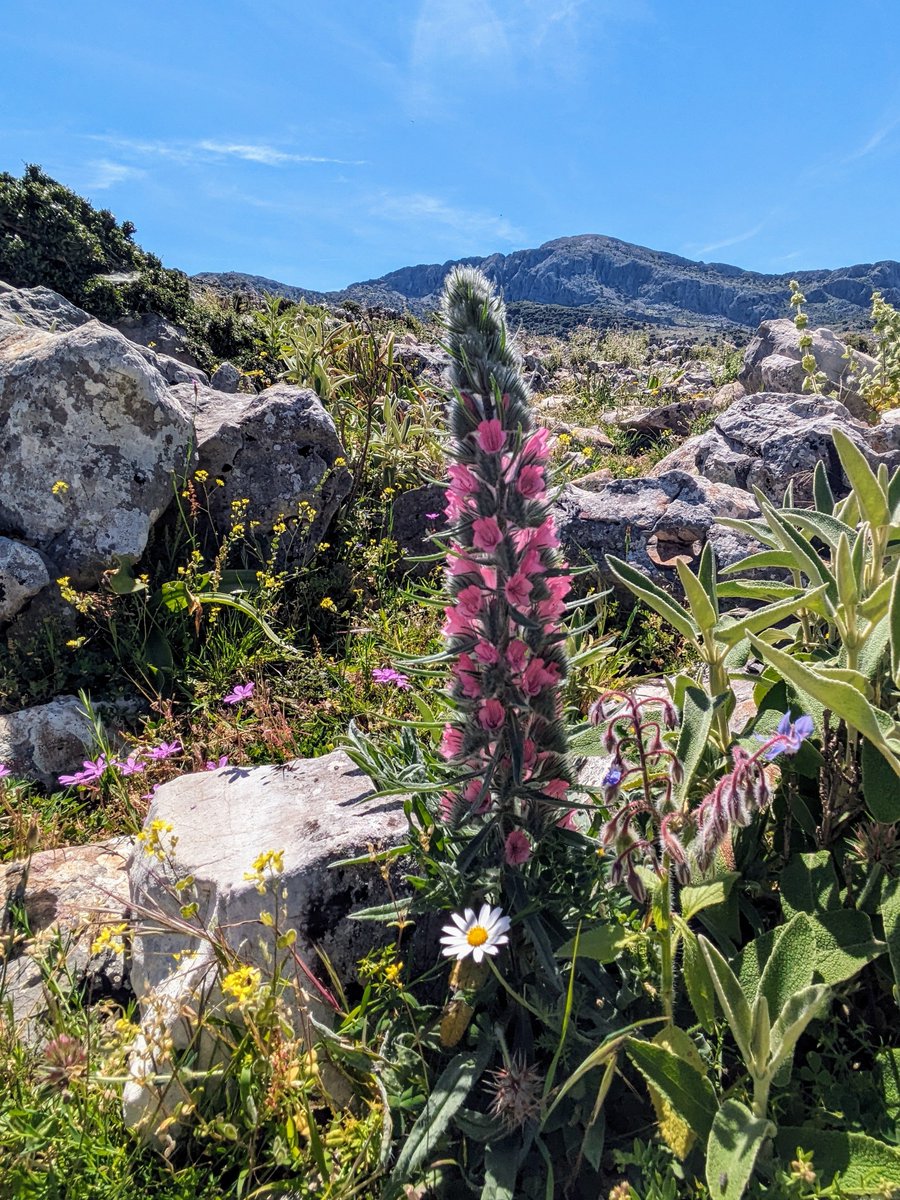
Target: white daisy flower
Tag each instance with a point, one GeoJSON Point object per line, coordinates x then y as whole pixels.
{"type": "Point", "coordinates": [476, 935]}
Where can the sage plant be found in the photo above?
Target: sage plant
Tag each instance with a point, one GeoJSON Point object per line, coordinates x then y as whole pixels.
{"type": "Point", "coordinates": [506, 586]}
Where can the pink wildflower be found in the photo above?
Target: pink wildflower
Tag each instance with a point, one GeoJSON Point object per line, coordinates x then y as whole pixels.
{"type": "Point", "coordinates": [556, 788]}
{"type": "Point", "coordinates": [452, 741]}
{"type": "Point", "coordinates": [214, 765]}
{"type": "Point", "coordinates": [240, 692]}
{"type": "Point", "coordinates": [389, 675]}
{"type": "Point", "coordinates": [457, 623]}
{"type": "Point", "coordinates": [491, 436]}
{"type": "Point", "coordinates": [486, 533]}
{"type": "Point", "coordinates": [132, 765]}
{"type": "Point", "coordinates": [530, 483]}
{"type": "Point", "coordinates": [462, 481]}
{"type": "Point", "coordinates": [516, 654]}
{"type": "Point", "coordinates": [517, 848]}
{"type": "Point", "coordinates": [5, 771]}
{"type": "Point", "coordinates": [471, 793]}
{"type": "Point", "coordinates": [164, 750]}
{"type": "Point", "coordinates": [538, 445]}
{"type": "Point", "coordinates": [469, 601]}
{"type": "Point", "coordinates": [491, 715]}
{"type": "Point", "coordinates": [487, 653]}
{"type": "Point", "coordinates": [518, 589]}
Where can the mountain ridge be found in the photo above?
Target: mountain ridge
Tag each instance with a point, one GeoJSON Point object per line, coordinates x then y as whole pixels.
{"type": "Point", "coordinates": [619, 281]}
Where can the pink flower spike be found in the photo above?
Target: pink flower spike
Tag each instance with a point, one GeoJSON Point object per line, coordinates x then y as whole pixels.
{"type": "Point", "coordinates": [240, 692]}
{"type": "Point", "coordinates": [470, 601]}
{"type": "Point", "coordinates": [486, 533]}
{"type": "Point", "coordinates": [491, 436]}
{"type": "Point", "coordinates": [517, 848]}
{"type": "Point", "coordinates": [491, 715]}
{"type": "Point", "coordinates": [212, 765]}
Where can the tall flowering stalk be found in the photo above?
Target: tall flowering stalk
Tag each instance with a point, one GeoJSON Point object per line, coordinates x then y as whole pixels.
{"type": "Point", "coordinates": [506, 587]}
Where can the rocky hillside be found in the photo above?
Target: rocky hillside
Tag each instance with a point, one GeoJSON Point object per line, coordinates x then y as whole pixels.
{"type": "Point", "coordinates": [622, 282]}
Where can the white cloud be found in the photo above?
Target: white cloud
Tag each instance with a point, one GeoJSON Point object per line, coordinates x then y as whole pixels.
{"type": "Point", "coordinates": [212, 150]}
{"type": "Point", "coordinates": [731, 241]}
{"type": "Point", "coordinates": [106, 174]}
{"type": "Point", "coordinates": [432, 212]}
{"type": "Point", "coordinates": [871, 144]}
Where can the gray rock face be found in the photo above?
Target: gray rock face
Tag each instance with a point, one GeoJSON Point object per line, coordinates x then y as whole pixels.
{"type": "Point", "coordinates": [23, 574]}
{"type": "Point", "coordinates": [415, 514]}
{"type": "Point", "coordinates": [226, 378]}
{"type": "Point", "coordinates": [653, 522]}
{"type": "Point", "coordinates": [424, 361]}
{"type": "Point", "coordinates": [156, 333]}
{"type": "Point", "coordinates": [45, 741]}
{"type": "Point", "coordinates": [69, 894]}
{"type": "Point", "coordinates": [84, 408]}
{"type": "Point", "coordinates": [39, 308]}
{"type": "Point", "coordinates": [277, 450]}
{"type": "Point", "coordinates": [315, 812]}
{"type": "Point", "coordinates": [768, 440]}
{"type": "Point", "coordinates": [676, 417]}
{"type": "Point", "coordinates": [772, 363]}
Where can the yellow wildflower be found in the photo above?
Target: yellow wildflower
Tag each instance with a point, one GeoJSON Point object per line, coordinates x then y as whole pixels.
{"type": "Point", "coordinates": [59, 487]}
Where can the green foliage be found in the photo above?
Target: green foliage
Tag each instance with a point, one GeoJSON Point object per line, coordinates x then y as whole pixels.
{"type": "Point", "coordinates": [880, 387]}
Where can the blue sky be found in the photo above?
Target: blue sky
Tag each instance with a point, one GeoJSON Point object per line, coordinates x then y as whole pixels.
{"type": "Point", "coordinates": [324, 144]}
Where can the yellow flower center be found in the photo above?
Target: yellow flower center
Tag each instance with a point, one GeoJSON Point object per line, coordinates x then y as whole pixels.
{"type": "Point", "coordinates": [477, 935]}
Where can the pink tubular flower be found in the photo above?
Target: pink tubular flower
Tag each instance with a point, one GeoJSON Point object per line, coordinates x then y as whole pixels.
{"type": "Point", "coordinates": [530, 483]}
{"type": "Point", "coordinates": [538, 675]}
{"type": "Point", "coordinates": [486, 533]}
{"type": "Point", "coordinates": [467, 674]}
{"type": "Point", "coordinates": [460, 564]}
{"type": "Point", "coordinates": [491, 715]}
{"type": "Point", "coordinates": [517, 848]}
{"type": "Point", "coordinates": [476, 794]}
{"type": "Point", "coordinates": [240, 692]}
{"type": "Point", "coordinates": [457, 623]}
{"type": "Point", "coordinates": [559, 586]}
{"type": "Point", "coordinates": [487, 653]}
{"type": "Point", "coordinates": [462, 481]}
{"type": "Point", "coordinates": [518, 589]}
{"type": "Point", "coordinates": [557, 789]}
{"type": "Point", "coordinates": [452, 741]}
{"type": "Point", "coordinates": [517, 654]}
{"type": "Point", "coordinates": [490, 436]}
{"type": "Point", "coordinates": [470, 601]}
{"type": "Point", "coordinates": [538, 445]}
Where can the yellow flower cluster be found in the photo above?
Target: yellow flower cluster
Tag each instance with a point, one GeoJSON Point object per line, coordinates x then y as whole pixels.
{"type": "Point", "coordinates": [271, 861]}
{"type": "Point", "coordinates": [110, 938]}
{"type": "Point", "coordinates": [59, 487]}
{"type": "Point", "coordinates": [243, 984]}
{"type": "Point", "coordinates": [328, 604]}
{"type": "Point", "coordinates": [152, 839]}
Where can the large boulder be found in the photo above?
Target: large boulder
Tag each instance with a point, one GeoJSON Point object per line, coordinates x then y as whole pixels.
{"type": "Point", "coordinates": [314, 813]}
{"type": "Point", "coordinates": [651, 523]}
{"type": "Point", "coordinates": [84, 410]}
{"type": "Point", "coordinates": [46, 741]}
{"type": "Point", "coordinates": [157, 333]}
{"type": "Point", "coordinates": [277, 450]}
{"type": "Point", "coordinates": [40, 308]}
{"type": "Point", "coordinates": [676, 417]}
{"type": "Point", "coordinates": [23, 573]}
{"type": "Point", "coordinates": [772, 363]}
{"type": "Point", "coordinates": [769, 440]}
{"type": "Point", "coordinates": [66, 898]}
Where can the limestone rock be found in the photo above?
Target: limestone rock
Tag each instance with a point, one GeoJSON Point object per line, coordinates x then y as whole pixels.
{"type": "Point", "coordinates": [157, 333]}
{"type": "Point", "coordinates": [424, 361]}
{"type": "Point", "coordinates": [772, 363]}
{"type": "Point", "coordinates": [84, 408]}
{"type": "Point", "coordinates": [226, 378]}
{"type": "Point", "coordinates": [46, 741]}
{"type": "Point", "coordinates": [315, 812]}
{"type": "Point", "coordinates": [653, 522]}
{"type": "Point", "coordinates": [767, 440]}
{"type": "Point", "coordinates": [415, 514]}
{"type": "Point", "coordinates": [67, 896]}
{"type": "Point", "coordinates": [676, 417]}
{"type": "Point", "coordinates": [277, 450]}
{"type": "Point", "coordinates": [23, 573]}
{"type": "Point", "coordinates": [40, 308]}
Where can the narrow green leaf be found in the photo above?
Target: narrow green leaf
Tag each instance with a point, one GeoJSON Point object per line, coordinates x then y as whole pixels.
{"type": "Point", "coordinates": [654, 596]}
{"type": "Point", "coordinates": [697, 980]}
{"type": "Point", "coordinates": [758, 589]}
{"type": "Point", "coordinates": [731, 632]}
{"type": "Point", "coordinates": [761, 560]}
{"type": "Point", "coordinates": [890, 914]}
{"type": "Point", "coordinates": [707, 573]}
{"type": "Point", "coordinates": [602, 944]}
{"type": "Point", "coordinates": [733, 1001]}
{"type": "Point", "coordinates": [735, 1141]}
{"type": "Point", "coordinates": [806, 558]}
{"type": "Point", "coordinates": [690, 1093]}
{"type": "Point", "coordinates": [827, 529]}
{"type": "Point", "coordinates": [847, 583]}
{"type": "Point", "coordinates": [823, 497]}
{"type": "Point", "coordinates": [793, 1019]}
{"type": "Point", "coordinates": [701, 607]}
{"type": "Point", "coordinates": [870, 495]}
{"type": "Point", "coordinates": [894, 626]}
{"type": "Point", "coordinates": [697, 712]}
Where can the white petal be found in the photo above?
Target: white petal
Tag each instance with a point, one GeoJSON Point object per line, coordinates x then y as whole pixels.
{"type": "Point", "coordinates": [478, 953]}
{"type": "Point", "coordinates": [459, 921]}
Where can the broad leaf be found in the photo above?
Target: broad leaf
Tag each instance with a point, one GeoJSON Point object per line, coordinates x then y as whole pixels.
{"type": "Point", "coordinates": [657, 599]}
{"type": "Point", "coordinates": [703, 895]}
{"type": "Point", "coordinates": [793, 1019]}
{"type": "Point", "coordinates": [844, 944]}
{"type": "Point", "coordinates": [790, 965]}
{"type": "Point", "coordinates": [866, 1166]}
{"type": "Point", "coordinates": [602, 943]}
{"type": "Point", "coordinates": [697, 713]}
{"type": "Point", "coordinates": [880, 785]}
{"type": "Point", "coordinates": [733, 1001]}
{"type": "Point", "coordinates": [890, 912]}
{"type": "Point", "coordinates": [690, 1093]}
{"type": "Point", "coordinates": [809, 884]}
{"type": "Point", "coordinates": [735, 1141]}
{"type": "Point", "coordinates": [869, 493]}
{"type": "Point", "coordinates": [698, 981]}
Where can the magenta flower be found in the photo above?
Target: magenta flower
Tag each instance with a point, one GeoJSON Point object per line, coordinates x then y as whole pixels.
{"type": "Point", "coordinates": [132, 765]}
{"type": "Point", "coordinates": [432, 516]}
{"type": "Point", "coordinates": [5, 771]}
{"type": "Point", "coordinates": [214, 765]}
{"type": "Point", "coordinates": [486, 533]}
{"type": "Point", "coordinates": [490, 436]}
{"type": "Point", "coordinates": [164, 750]}
{"type": "Point", "coordinates": [517, 590]}
{"type": "Point", "coordinates": [389, 675]}
{"type": "Point", "coordinates": [240, 692]}
{"type": "Point", "coordinates": [452, 741]}
{"type": "Point", "coordinates": [530, 483]}
{"type": "Point", "coordinates": [491, 714]}
{"type": "Point", "coordinates": [517, 848]}
{"type": "Point", "coordinates": [92, 771]}
{"type": "Point", "coordinates": [487, 653]}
